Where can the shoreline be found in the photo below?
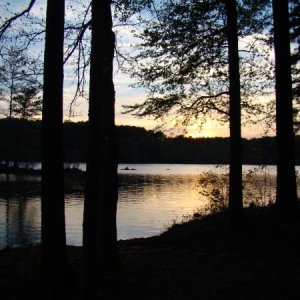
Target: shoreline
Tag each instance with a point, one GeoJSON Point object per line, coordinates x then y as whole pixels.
{"type": "Point", "coordinates": [203, 258]}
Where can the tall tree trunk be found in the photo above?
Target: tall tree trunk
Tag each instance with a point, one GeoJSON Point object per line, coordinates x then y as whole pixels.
{"type": "Point", "coordinates": [100, 251]}
{"type": "Point", "coordinates": [235, 173]}
{"type": "Point", "coordinates": [11, 98]}
{"type": "Point", "coordinates": [54, 256]}
{"type": "Point", "coordinates": [286, 197]}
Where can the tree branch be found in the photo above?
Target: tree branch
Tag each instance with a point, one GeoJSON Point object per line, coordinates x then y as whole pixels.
{"type": "Point", "coordinates": [8, 22]}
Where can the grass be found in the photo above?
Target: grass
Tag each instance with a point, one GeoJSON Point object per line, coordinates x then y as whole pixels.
{"type": "Point", "coordinates": [201, 259]}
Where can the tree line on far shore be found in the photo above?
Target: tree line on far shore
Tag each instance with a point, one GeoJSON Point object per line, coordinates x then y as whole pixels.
{"type": "Point", "coordinates": [21, 142]}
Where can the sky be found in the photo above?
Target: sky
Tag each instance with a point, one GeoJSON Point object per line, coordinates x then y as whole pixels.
{"type": "Point", "coordinates": [125, 94]}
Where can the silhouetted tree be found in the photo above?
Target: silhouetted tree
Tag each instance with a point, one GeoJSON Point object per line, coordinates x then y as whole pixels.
{"type": "Point", "coordinates": [18, 75]}
{"type": "Point", "coordinates": [194, 69]}
{"type": "Point", "coordinates": [100, 250]}
{"type": "Point", "coordinates": [286, 197]}
{"type": "Point", "coordinates": [27, 102]}
{"type": "Point", "coordinates": [19, 85]}
{"type": "Point", "coordinates": [182, 61]}
{"type": "Point", "coordinates": [235, 171]}
{"type": "Point", "coordinates": [295, 59]}
{"type": "Point", "coordinates": [55, 266]}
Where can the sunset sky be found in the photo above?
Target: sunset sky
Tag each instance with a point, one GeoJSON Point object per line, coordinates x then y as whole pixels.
{"type": "Point", "coordinates": [125, 94]}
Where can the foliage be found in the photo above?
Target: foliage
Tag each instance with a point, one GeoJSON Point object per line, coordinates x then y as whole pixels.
{"type": "Point", "coordinates": [182, 61]}
{"type": "Point", "coordinates": [258, 188]}
{"type": "Point", "coordinates": [295, 38]}
{"type": "Point", "coordinates": [27, 103]}
{"type": "Point", "coordinates": [20, 86]}
{"type": "Point", "coordinates": [214, 189]}
{"type": "Point", "coordinates": [137, 145]}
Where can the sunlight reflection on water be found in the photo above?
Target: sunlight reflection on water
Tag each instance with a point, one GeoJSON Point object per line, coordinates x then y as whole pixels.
{"type": "Point", "coordinates": [151, 197]}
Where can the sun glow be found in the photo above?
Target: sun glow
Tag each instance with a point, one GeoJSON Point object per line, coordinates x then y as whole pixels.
{"type": "Point", "coordinates": [209, 129]}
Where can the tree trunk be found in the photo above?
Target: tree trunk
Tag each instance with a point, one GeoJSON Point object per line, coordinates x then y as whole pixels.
{"type": "Point", "coordinates": [235, 173]}
{"type": "Point", "coordinates": [286, 195]}
{"type": "Point", "coordinates": [54, 257]}
{"type": "Point", "coordinates": [11, 97]}
{"type": "Point", "coordinates": [100, 251]}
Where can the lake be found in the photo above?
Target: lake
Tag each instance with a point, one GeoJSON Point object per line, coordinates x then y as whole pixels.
{"type": "Point", "coordinates": [151, 198]}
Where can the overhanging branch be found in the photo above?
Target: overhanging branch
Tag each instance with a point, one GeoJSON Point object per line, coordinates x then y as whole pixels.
{"type": "Point", "coordinates": [9, 21]}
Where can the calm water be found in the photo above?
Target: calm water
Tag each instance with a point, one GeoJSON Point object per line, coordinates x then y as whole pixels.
{"type": "Point", "coordinates": [151, 198]}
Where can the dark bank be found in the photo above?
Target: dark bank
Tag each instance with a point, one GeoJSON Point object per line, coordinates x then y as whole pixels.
{"type": "Point", "coordinates": [203, 258]}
